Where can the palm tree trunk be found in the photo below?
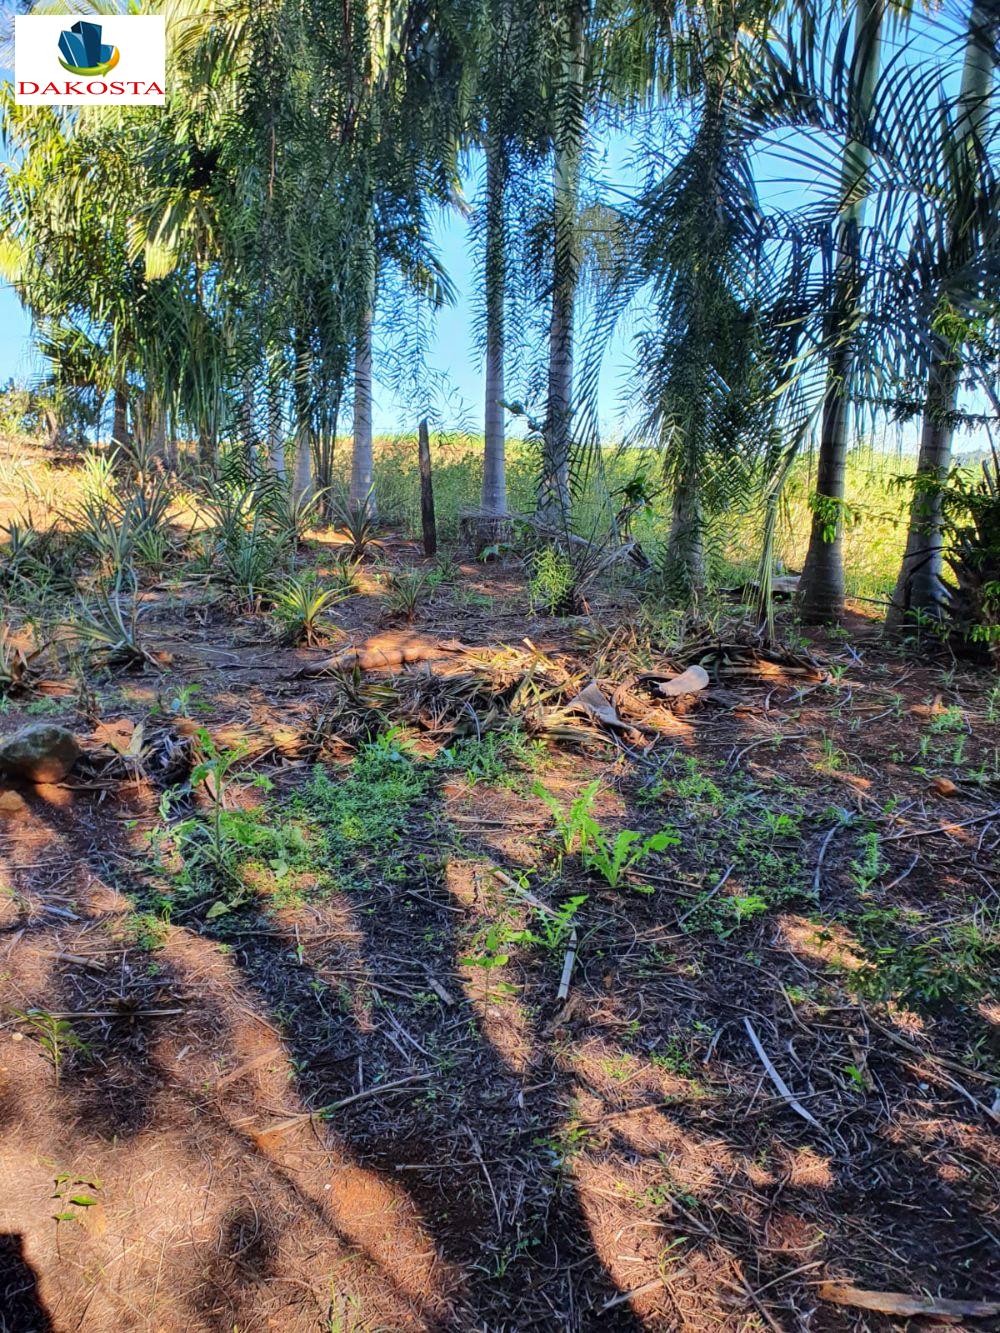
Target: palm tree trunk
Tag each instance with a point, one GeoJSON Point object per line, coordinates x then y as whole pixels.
{"type": "Point", "coordinates": [821, 589]}
{"type": "Point", "coordinates": [53, 428]}
{"type": "Point", "coordinates": [686, 543]}
{"type": "Point", "coordinates": [119, 421]}
{"type": "Point", "coordinates": [920, 586]}
{"type": "Point", "coordinates": [275, 434]}
{"type": "Point", "coordinates": [821, 592]}
{"type": "Point", "coordinates": [554, 498]}
{"type": "Point", "coordinates": [361, 457]}
{"type": "Point", "coordinates": [302, 483]}
{"type": "Point", "coordinates": [206, 449]}
{"type": "Point", "coordinates": [494, 498]}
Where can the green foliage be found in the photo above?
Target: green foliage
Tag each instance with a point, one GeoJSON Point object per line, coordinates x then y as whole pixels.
{"type": "Point", "coordinates": [215, 848]}
{"type": "Point", "coordinates": [74, 1192]}
{"type": "Point", "coordinates": [833, 513]}
{"type": "Point", "coordinates": [600, 854]}
{"type": "Point", "coordinates": [109, 625]}
{"type": "Point", "coordinates": [611, 860]}
{"type": "Point", "coordinates": [56, 1036]}
{"type": "Point", "coordinates": [406, 591]}
{"type": "Point", "coordinates": [553, 581]}
{"type": "Point", "coordinates": [572, 823]}
{"type": "Point", "coordinates": [361, 816]}
{"type": "Point", "coordinates": [358, 522]}
{"type": "Point", "coordinates": [494, 758]}
{"type": "Point", "coordinates": [549, 930]}
{"type": "Point", "coordinates": [930, 970]}
{"type": "Point", "coordinates": [300, 605]}
{"type": "Point", "coordinates": [972, 531]}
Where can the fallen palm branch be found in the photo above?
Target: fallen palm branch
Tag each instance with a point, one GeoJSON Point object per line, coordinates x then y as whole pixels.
{"type": "Point", "coordinates": [904, 1306]}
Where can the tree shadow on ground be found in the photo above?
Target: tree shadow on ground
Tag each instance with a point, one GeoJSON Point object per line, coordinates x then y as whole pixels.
{"type": "Point", "coordinates": [485, 1144]}
{"type": "Point", "coordinates": [21, 1307]}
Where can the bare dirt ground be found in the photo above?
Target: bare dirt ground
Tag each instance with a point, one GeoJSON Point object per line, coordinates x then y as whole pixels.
{"type": "Point", "coordinates": [354, 1101]}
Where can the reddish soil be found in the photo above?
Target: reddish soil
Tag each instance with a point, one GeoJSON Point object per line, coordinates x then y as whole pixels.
{"type": "Point", "coordinates": [620, 1161]}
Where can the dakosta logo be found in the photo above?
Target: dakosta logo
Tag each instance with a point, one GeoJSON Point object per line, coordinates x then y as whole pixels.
{"type": "Point", "coordinates": [84, 51]}
{"type": "Point", "coordinates": [104, 60]}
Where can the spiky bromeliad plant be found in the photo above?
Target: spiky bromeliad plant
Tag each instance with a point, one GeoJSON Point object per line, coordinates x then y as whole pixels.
{"type": "Point", "coordinates": [110, 626]}
{"type": "Point", "coordinates": [300, 605]}
{"type": "Point", "coordinates": [358, 520]}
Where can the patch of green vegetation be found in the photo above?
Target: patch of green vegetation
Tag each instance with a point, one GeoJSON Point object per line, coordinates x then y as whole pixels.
{"type": "Point", "coordinates": [500, 758]}
{"type": "Point", "coordinates": [869, 865]}
{"type": "Point", "coordinates": [723, 916]}
{"type": "Point", "coordinates": [956, 964]}
{"type": "Point", "coordinates": [694, 787]}
{"type": "Point", "coordinates": [600, 853]}
{"type": "Point", "coordinates": [674, 1057]}
{"type": "Point", "coordinates": [362, 818]}
{"type": "Point", "coordinates": [143, 930]}
{"type": "Point", "coordinates": [552, 580]}
{"type": "Point", "coordinates": [549, 930]}
{"type": "Point", "coordinates": [56, 1036]}
{"type": "Point", "coordinates": [45, 707]}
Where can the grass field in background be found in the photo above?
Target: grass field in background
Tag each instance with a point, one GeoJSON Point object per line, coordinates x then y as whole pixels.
{"type": "Point", "coordinates": [873, 543]}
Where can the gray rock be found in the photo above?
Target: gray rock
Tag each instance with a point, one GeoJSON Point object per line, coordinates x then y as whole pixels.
{"type": "Point", "coordinates": [41, 752]}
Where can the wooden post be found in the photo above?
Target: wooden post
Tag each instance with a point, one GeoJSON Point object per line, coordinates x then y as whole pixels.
{"type": "Point", "coordinates": [426, 490]}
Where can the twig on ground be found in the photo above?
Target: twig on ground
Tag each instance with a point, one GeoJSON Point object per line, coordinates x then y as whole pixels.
{"type": "Point", "coordinates": [777, 1080]}
{"type": "Point", "coordinates": [700, 902]}
{"type": "Point", "coordinates": [323, 1112]}
{"type": "Point", "coordinates": [942, 828]}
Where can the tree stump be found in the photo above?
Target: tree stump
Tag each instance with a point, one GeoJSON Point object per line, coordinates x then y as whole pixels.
{"type": "Point", "coordinates": [479, 531]}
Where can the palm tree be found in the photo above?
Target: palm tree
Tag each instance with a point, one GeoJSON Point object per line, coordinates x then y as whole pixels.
{"type": "Point", "coordinates": [570, 114]}
{"type": "Point", "coordinates": [919, 586]}
{"type": "Point", "coordinates": [821, 592]}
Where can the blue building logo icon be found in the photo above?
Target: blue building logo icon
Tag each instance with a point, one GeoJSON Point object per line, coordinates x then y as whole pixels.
{"type": "Point", "coordinates": [82, 52]}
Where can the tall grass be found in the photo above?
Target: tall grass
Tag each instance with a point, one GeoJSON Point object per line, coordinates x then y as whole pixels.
{"type": "Point", "coordinates": [873, 543]}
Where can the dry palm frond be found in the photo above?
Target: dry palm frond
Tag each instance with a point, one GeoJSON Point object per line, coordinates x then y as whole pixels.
{"type": "Point", "coordinates": [15, 664]}
{"type": "Point", "coordinates": [356, 708]}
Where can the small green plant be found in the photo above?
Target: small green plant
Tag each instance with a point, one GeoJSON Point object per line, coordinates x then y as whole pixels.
{"type": "Point", "coordinates": [868, 866]}
{"type": "Point", "coordinates": [572, 824]}
{"type": "Point", "coordinates": [56, 1036]}
{"type": "Point", "coordinates": [110, 625]}
{"type": "Point", "coordinates": [248, 563]}
{"type": "Point", "coordinates": [184, 702]}
{"type": "Point", "coordinates": [357, 520]}
{"type": "Point", "coordinates": [73, 1192]}
{"type": "Point", "coordinates": [344, 577]}
{"type": "Point", "coordinates": [491, 758]}
{"type": "Point", "coordinates": [444, 569]}
{"type": "Point", "coordinates": [213, 850]}
{"type": "Point", "coordinates": [551, 588]}
{"type": "Point", "coordinates": [674, 1058]}
{"type": "Point", "coordinates": [611, 860]}
{"type": "Point", "coordinates": [405, 594]}
{"type": "Point", "coordinates": [144, 930]}
{"type": "Point", "coordinates": [294, 515]}
{"type": "Point", "coordinates": [300, 606]}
